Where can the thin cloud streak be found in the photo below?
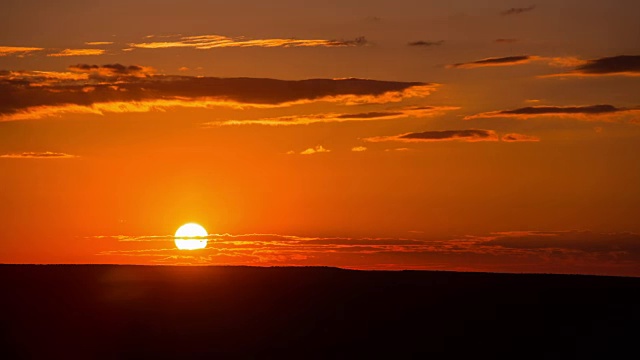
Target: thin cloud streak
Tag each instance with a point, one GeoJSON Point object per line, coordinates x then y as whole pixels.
{"type": "Point", "coordinates": [78, 52]}
{"type": "Point", "coordinates": [422, 43]}
{"type": "Point", "coordinates": [206, 42]}
{"type": "Point", "coordinates": [613, 252]}
{"type": "Point", "coordinates": [603, 112]}
{"type": "Point", "coordinates": [516, 11]}
{"type": "Point", "coordinates": [518, 60]}
{"type": "Point", "coordinates": [20, 50]}
{"type": "Point", "coordinates": [416, 111]}
{"type": "Point", "coordinates": [469, 135]}
{"type": "Point", "coordinates": [92, 43]}
{"type": "Point", "coordinates": [38, 155]}
{"type": "Point", "coordinates": [513, 137]}
{"type": "Point", "coordinates": [495, 61]}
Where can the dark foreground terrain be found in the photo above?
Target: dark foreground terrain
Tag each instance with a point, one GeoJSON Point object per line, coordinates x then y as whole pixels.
{"type": "Point", "coordinates": [87, 312]}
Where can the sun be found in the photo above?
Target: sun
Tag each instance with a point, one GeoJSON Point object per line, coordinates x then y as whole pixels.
{"type": "Point", "coordinates": [191, 237]}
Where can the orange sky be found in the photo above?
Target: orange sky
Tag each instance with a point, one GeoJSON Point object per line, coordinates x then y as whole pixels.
{"type": "Point", "coordinates": [501, 136]}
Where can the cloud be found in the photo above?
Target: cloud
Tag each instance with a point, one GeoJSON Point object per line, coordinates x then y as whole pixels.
{"type": "Point", "coordinates": [623, 65]}
{"type": "Point", "coordinates": [113, 70]}
{"type": "Point", "coordinates": [515, 11]}
{"type": "Point", "coordinates": [423, 43]}
{"type": "Point", "coordinates": [470, 135]}
{"type": "Point", "coordinates": [528, 251]}
{"type": "Point", "coordinates": [20, 50]}
{"type": "Point", "coordinates": [608, 113]}
{"type": "Point", "coordinates": [359, 149]}
{"type": "Point", "coordinates": [417, 111]}
{"type": "Point", "coordinates": [91, 43]}
{"type": "Point", "coordinates": [513, 137]}
{"type": "Point", "coordinates": [96, 89]}
{"type": "Point", "coordinates": [205, 42]}
{"type": "Point", "coordinates": [316, 150]}
{"type": "Point", "coordinates": [519, 60]}
{"type": "Point", "coordinates": [540, 110]}
{"type": "Point", "coordinates": [495, 61]}
{"type": "Point", "coordinates": [38, 155]}
{"type": "Point", "coordinates": [564, 61]}
{"type": "Point", "coordinates": [584, 241]}
{"type": "Point", "coordinates": [78, 52]}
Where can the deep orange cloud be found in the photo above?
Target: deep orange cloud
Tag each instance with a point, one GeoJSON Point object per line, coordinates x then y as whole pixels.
{"type": "Point", "coordinates": [11, 50]}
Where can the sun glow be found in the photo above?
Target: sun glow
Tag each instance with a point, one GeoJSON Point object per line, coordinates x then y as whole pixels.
{"type": "Point", "coordinates": [191, 237]}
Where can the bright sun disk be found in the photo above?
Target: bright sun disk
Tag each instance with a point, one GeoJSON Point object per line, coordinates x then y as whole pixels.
{"type": "Point", "coordinates": [191, 237]}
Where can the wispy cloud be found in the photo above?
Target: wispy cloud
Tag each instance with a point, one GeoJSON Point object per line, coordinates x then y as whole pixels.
{"type": "Point", "coordinates": [358, 149]}
{"type": "Point", "coordinates": [589, 112]}
{"type": "Point", "coordinates": [38, 155]}
{"type": "Point", "coordinates": [568, 251]}
{"type": "Point", "coordinates": [98, 43]}
{"type": "Point", "coordinates": [108, 71]}
{"type": "Point", "coordinates": [97, 89]}
{"type": "Point", "coordinates": [422, 43]}
{"type": "Point", "coordinates": [496, 61]}
{"type": "Point", "coordinates": [205, 42]}
{"type": "Point", "coordinates": [315, 150]}
{"type": "Point", "coordinates": [513, 137]}
{"type": "Point", "coordinates": [583, 241]}
{"type": "Point", "coordinates": [20, 50]}
{"type": "Point", "coordinates": [78, 52]}
{"type": "Point", "coordinates": [416, 111]}
{"type": "Point", "coordinates": [623, 65]}
{"type": "Point", "coordinates": [519, 10]}
{"type": "Point", "coordinates": [519, 60]}
{"type": "Point", "coordinates": [469, 135]}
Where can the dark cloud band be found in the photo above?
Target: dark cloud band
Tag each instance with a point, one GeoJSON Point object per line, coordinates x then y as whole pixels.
{"type": "Point", "coordinates": [603, 112]}
{"type": "Point", "coordinates": [468, 135]}
{"type": "Point", "coordinates": [495, 61]}
{"type": "Point", "coordinates": [622, 65]}
{"type": "Point", "coordinates": [119, 88]}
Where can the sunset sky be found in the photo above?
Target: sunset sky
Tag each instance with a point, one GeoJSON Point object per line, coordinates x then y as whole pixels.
{"type": "Point", "coordinates": [498, 135]}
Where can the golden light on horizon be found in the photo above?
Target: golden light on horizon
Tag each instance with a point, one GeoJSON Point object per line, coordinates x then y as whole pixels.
{"type": "Point", "coordinates": [191, 236]}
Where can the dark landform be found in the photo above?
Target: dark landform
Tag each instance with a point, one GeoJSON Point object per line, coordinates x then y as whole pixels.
{"type": "Point", "coordinates": [149, 312]}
